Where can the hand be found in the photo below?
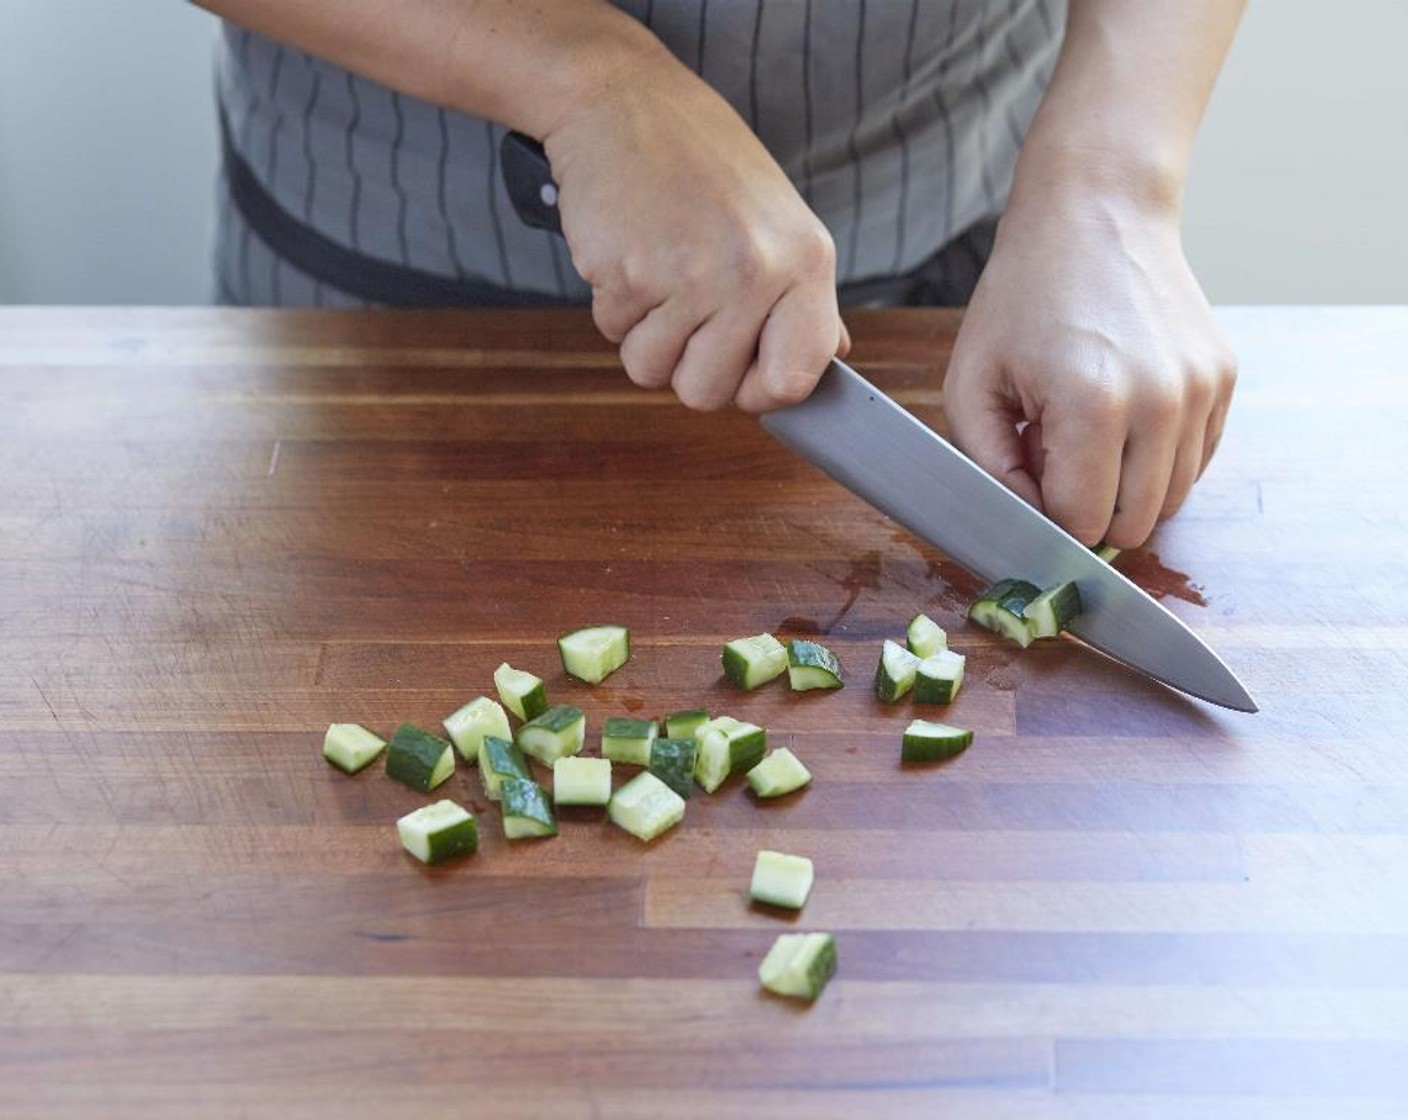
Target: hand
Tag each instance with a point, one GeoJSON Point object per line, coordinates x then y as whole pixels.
{"type": "Point", "coordinates": [706, 267]}
{"type": "Point", "coordinates": [1089, 326]}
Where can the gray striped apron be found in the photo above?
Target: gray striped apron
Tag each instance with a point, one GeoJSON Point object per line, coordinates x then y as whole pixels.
{"type": "Point", "coordinates": [898, 120]}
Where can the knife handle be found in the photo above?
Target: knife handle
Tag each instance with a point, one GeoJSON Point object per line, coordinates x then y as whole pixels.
{"type": "Point", "coordinates": [528, 179]}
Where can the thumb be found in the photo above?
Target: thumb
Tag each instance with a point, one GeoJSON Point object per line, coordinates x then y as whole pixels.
{"type": "Point", "coordinates": [983, 419]}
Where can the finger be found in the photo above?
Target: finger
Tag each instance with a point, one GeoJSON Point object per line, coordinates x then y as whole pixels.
{"type": "Point", "coordinates": [715, 359]}
{"type": "Point", "coordinates": [1187, 464]}
{"type": "Point", "coordinates": [1145, 471]}
{"type": "Point", "coordinates": [800, 336]}
{"type": "Point", "coordinates": [653, 347]}
{"type": "Point", "coordinates": [1213, 435]}
{"type": "Point", "coordinates": [1081, 473]}
{"type": "Point", "coordinates": [1032, 451]}
{"type": "Point", "coordinates": [983, 419]}
{"type": "Point", "coordinates": [616, 313]}
{"type": "Point", "coordinates": [843, 347]}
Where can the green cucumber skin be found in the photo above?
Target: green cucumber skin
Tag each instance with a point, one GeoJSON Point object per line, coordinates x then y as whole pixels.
{"type": "Point", "coordinates": [746, 751]}
{"type": "Point", "coordinates": [499, 759]}
{"type": "Point", "coordinates": [928, 690]}
{"type": "Point", "coordinates": [683, 725]}
{"type": "Point", "coordinates": [413, 755]}
{"type": "Point", "coordinates": [822, 967]}
{"type": "Point", "coordinates": [1054, 609]}
{"type": "Point", "coordinates": [627, 740]}
{"type": "Point", "coordinates": [524, 799]}
{"type": "Point", "coordinates": [558, 732]}
{"type": "Point", "coordinates": [748, 667]}
{"type": "Point", "coordinates": [923, 749]}
{"type": "Point", "coordinates": [672, 761]}
{"type": "Point", "coordinates": [812, 661]}
{"type": "Point", "coordinates": [555, 719]}
{"type": "Point", "coordinates": [888, 688]}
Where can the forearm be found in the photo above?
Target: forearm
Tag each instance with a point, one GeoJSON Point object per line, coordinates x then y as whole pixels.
{"type": "Point", "coordinates": [1126, 98]}
{"type": "Point", "coordinates": [525, 64]}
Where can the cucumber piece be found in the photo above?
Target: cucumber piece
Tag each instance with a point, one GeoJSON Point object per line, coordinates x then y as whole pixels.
{"type": "Point", "coordinates": [781, 880]}
{"type": "Point", "coordinates": [799, 964]}
{"type": "Point", "coordinates": [683, 725]}
{"type": "Point", "coordinates": [581, 781]}
{"type": "Point", "coordinates": [779, 774]}
{"type": "Point", "coordinates": [1053, 610]}
{"type": "Point", "coordinates": [594, 653]}
{"type": "Point", "coordinates": [522, 693]}
{"type": "Point", "coordinates": [418, 758]}
{"type": "Point", "coordinates": [1106, 552]}
{"type": "Point", "coordinates": [350, 746]}
{"type": "Point", "coordinates": [645, 806]}
{"type": "Point", "coordinates": [927, 741]}
{"type": "Point", "coordinates": [628, 740]}
{"type": "Point", "coordinates": [672, 761]}
{"type": "Point", "coordinates": [500, 759]}
{"type": "Point", "coordinates": [468, 726]}
{"type": "Point", "coordinates": [438, 831]}
{"type": "Point", "coordinates": [727, 745]}
{"type": "Point", "coordinates": [811, 665]}
{"type": "Point", "coordinates": [558, 732]}
{"type": "Point", "coordinates": [938, 678]}
{"type": "Point", "coordinates": [1000, 609]}
{"type": "Point", "coordinates": [924, 636]}
{"type": "Point", "coordinates": [750, 662]}
{"type": "Point", "coordinates": [894, 675]}
{"type": "Point", "coordinates": [526, 809]}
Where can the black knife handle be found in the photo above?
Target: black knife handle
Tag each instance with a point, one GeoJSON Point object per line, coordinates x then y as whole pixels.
{"type": "Point", "coordinates": [528, 178]}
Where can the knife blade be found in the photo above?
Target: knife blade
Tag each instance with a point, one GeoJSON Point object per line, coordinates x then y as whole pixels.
{"type": "Point", "coordinates": [873, 447]}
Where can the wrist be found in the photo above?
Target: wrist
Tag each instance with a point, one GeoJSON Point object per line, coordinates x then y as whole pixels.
{"type": "Point", "coordinates": [574, 57]}
{"type": "Point", "coordinates": [1139, 179]}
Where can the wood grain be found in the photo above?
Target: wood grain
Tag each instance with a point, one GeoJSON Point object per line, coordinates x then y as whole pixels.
{"type": "Point", "coordinates": [221, 530]}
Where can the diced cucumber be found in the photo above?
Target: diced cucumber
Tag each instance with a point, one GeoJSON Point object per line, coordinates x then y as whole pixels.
{"type": "Point", "coordinates": [468, 726]}
{"type": "Point", "coordinates": [781, 880]}
{"type": "Point", "coordinates": [1000, 609]}
{"type": "Point", "coordinates": [894, 675]}
{"type": "Point", "coordinates": [581, 781]}
{"type": "Point", "coordinates": [927, 741]}
{"type": "Point", "coordinates": [799, 964]}
{"type": "Point", "coordinates": [555, 733]}
{"type": "Point", "coordinates": [645, 806]}
{"type": "Point", "coordinates": [726, 746]}
{"type": "Point", "coordinates": [438, 831]}
{"type": "Point", "coordinates": [938, 678]}
{"type": "Point", "coordinates": [779, 774]}
{"type": "Point", "coordinates": [350, 746]}
{"type": "Point", "coordinates": [672, 761]}
{"type": "Point", "coordinates": [526, 810]}
{"type": "Point", "coordinates": [683, 725]}
{"type": "Point", "coordinates": [1106, 552]}
{"type": "Point", "coordinates": [750, 662]}
{"type": "Point", "coordinates": [500, 759]}
{"type": "Point", "coordinates": [522, 693]}
{"type": "Point", "coordinates": [811, 665]}
{"type": "Point", "coordinates": [594, 653]}
{"type": "Point", "coordinates": [924, 636]}
{"type": "Point", "coordinates": [1053, 610]}
{"type": "Point", "coordinates": [418, 758]}
{"type": "Point", "coordinates": [628, 740]}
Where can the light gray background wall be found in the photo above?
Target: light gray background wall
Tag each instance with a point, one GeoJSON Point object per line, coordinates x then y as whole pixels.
{"type": "Point", "coordinates": [107, 155]}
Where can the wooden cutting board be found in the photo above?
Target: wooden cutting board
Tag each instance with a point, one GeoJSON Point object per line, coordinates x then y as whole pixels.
{"type": "Point", "coordinates": [221, 530]}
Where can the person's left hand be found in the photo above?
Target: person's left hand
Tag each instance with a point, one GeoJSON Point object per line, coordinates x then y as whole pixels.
{"type": "Point", "coordinates": [1089, 326]}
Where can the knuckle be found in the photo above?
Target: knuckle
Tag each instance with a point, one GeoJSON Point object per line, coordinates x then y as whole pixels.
{"type": "Point", "coordinates": [816, 251]}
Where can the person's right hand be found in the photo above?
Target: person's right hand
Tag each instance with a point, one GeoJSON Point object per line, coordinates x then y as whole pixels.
{"type": "Point", "coordinates": [707, 268]}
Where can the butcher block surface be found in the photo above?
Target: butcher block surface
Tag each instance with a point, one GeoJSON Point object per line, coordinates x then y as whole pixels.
{"type": "Point", "coordinates": [221, 530]}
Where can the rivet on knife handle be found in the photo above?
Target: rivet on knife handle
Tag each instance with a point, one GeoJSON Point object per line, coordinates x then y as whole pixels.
{"type": "Point", "coordinates": [528, 179]}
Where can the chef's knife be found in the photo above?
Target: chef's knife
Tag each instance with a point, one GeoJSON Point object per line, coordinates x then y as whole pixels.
{"type": "Point", "coordinates": [873, 447]}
